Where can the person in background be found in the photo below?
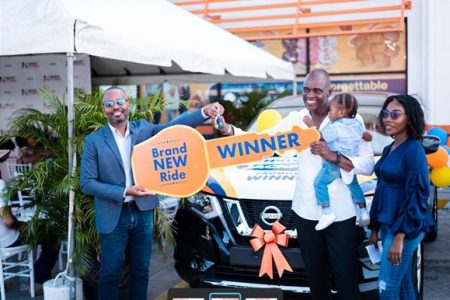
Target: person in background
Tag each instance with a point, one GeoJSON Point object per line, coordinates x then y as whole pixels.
{"type": "Point", "coordinates": [124, 211]}
{"type": "Point", "coordinates": [8, 146]}
{"type": "Point", "coordinates": [10, 237]}
{"type": "Point", "coordinates": [331, 252]}
{"type": "Point", "coordinates": [185, 94]}
{"type": "Point", "coordinates": [399, 211]}
{"type": "Point", "coordinates": [18, 143]}
{"type": "Point", "coordinates": [171, 96]}
{"type": "Point", "coordinates": [32, 152]}
{"type": "Point", "coordinates": [195, 103]}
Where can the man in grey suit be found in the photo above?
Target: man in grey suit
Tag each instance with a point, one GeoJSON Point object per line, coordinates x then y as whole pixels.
{"type": "Point", "coordinates": [124, 211]}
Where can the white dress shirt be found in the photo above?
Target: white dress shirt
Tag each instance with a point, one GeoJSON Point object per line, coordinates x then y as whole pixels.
{"type": "Point", "coordinates": [124, 145]}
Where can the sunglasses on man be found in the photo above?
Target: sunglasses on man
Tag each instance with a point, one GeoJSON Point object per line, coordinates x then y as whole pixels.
{"type": "Point", "coordinates": [110, 103]}
{"type": "Point", "coordinates": [395, 114]}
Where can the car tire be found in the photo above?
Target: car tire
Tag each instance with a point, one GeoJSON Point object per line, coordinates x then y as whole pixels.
{"type": "Point", "coordinates": [432, 235]}
{"type": "Point", "coordinates": [418, 272]}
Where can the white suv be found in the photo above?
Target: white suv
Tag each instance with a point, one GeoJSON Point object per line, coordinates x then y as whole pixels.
{"type": "Point", "coordinates": [214, 226]}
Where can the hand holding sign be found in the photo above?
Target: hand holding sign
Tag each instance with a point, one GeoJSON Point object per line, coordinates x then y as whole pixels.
{"type": "Point", "coordinates": [177, 160]}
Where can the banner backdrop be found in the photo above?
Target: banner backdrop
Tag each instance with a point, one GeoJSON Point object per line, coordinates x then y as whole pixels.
{"type": "Point", "coordinates": [21, 77]}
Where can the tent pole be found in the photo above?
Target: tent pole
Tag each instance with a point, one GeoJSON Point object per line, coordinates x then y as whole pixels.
{"type": "Point", "coordinates": [72, 166]}
{"type": "Point", "coordinates": [294, 87]}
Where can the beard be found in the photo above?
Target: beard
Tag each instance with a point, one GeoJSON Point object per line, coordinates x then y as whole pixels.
{"type": "Point", "coordinates": [117, 120]}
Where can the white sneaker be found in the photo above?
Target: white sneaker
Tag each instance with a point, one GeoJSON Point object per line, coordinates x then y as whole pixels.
{"type": "Point", "coordinates": [364, 218]}
{"type": "Point", "coordinates": [325, 221]}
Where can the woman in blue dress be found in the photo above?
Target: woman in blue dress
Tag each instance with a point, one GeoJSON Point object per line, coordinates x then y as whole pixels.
{"type": "Point", "coordinates": [400, 203]}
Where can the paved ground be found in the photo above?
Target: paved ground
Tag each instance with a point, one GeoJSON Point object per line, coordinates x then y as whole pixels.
{"type": "Point", "coordinates": [437, 261]}
{"type": "Point", "coordinates": [162, 277]}
{"type": "Point", "coordinates": [437, 269]}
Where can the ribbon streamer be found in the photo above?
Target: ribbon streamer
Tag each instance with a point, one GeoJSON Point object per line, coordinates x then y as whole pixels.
{"type": "Point", "coordinates": [271, 240]}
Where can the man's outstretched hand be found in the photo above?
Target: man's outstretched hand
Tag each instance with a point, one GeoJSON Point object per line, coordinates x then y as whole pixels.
{"type": "Point", "coordinates": [213, 110]}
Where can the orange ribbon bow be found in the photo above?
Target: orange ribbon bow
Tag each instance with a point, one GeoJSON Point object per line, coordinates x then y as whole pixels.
{"type": "Point", "coordinates": [271, 239]}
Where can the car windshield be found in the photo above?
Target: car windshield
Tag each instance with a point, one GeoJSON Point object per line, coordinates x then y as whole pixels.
{"type": "Point", "coordinates": [369, 114]}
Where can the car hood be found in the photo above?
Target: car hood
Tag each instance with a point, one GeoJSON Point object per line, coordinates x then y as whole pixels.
{"type": "Point", "coordinates": [272, 178]}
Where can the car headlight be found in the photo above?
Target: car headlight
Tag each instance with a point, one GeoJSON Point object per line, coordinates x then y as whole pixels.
{"type": "Point", "coordinates": [206, 206]}
{"type": "Point", "coordinates": [237, 216]}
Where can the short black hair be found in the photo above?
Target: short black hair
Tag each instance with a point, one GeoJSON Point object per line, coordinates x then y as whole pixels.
{"type": "Point", "coordinates": [21, 141]}
{"type": "Point", "coordinates": [347, 101]}
{"type": "Point", "coordinates": [319, 73]}
{"type": "Point", "coordinates": [413, 110]}
{"type": "Point", "coordinates": [7, 144]}
{"type": "Point", "coordinates": [114, 88]}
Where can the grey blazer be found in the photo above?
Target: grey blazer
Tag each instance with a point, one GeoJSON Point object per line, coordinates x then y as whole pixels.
{"type": "Point", "coordinates": [102, 174]}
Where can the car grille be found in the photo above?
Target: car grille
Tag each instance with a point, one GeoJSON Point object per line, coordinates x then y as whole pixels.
{"type": "Point", "coordinates": [251, 274]}
{"type": "Point", "coordinates": [252, 210]}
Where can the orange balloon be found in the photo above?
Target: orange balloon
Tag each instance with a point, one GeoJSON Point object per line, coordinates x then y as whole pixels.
{"type": "Point", "coordinates": [438, 159]}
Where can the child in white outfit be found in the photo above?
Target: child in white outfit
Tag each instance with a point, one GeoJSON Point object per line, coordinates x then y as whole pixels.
{"type": "Point", "coordinates": [342, 134]}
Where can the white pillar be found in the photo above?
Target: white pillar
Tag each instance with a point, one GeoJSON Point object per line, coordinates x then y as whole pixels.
{"type": "Point", "coordinates": [428, 57]}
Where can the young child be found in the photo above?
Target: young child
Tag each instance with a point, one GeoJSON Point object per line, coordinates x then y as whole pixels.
{"type": "Point", "coordinates": [342, 134]}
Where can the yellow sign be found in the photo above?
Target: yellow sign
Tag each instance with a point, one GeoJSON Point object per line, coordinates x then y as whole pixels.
{"type": "Point", "coordinates": [176, 161]}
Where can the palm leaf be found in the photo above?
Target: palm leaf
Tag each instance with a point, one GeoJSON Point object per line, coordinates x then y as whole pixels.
{"type": "Point", "coordinates": [164, 231]}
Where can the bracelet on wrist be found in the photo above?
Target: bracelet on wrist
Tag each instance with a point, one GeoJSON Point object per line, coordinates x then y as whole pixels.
{"type": "Point", "coordinates": [338, 158]}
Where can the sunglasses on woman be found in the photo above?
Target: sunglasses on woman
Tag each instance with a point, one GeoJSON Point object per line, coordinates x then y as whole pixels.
{"type": "Point", "coordinates": [110, 103]}
{"type": "Point", "coordinates": [395, 114]}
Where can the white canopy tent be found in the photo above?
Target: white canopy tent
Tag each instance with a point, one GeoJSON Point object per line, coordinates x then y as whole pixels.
{"type": "Point", "coordinates": [142, 40]}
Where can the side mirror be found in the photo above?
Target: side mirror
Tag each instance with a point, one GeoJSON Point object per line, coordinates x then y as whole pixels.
{"type": "Point", "coordinates": [430, 143]}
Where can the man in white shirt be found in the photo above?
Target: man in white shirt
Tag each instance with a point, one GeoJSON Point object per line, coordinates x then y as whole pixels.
{"type": "Point", "coordinates": [332, 250]}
